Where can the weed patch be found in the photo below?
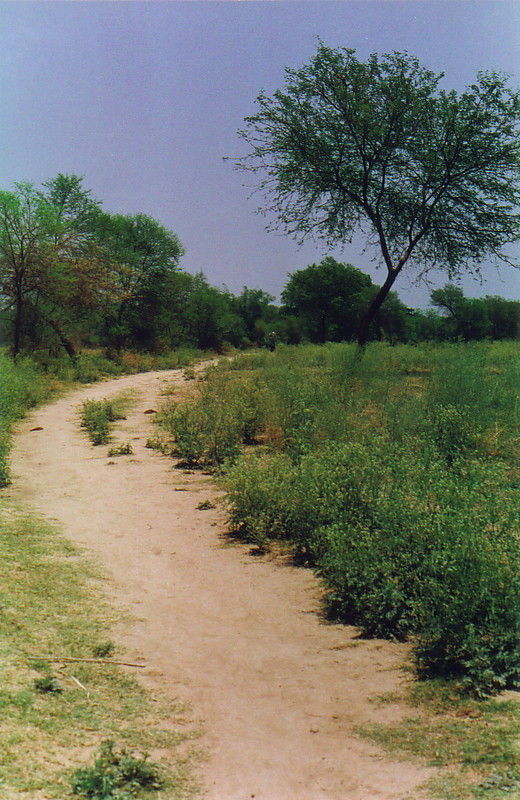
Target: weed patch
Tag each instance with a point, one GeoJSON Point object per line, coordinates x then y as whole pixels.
{"type": "Point", "coordinates": [117, 774]}
{"type": "Point", "coordinates": [120, 450]}
{"type": "Point", "coordinates": [97, 417]}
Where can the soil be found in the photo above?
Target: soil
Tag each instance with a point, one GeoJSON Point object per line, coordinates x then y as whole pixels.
{"type": "Point", "coordinates": [239, 636]}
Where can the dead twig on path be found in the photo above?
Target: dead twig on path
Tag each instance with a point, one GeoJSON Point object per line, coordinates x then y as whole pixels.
{"type": "Point", "coordinates": [86, 660]}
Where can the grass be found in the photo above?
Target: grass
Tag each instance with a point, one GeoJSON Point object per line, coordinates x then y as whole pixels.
{"type": "Point", "coordinates": [22, 386]}
{"type": "Point", "coordinates": [56, 715]}
{"type": "Point", "coordinates": [315, 434]}
{"type": "Point", "coordinates": [396, 476]}
{"type": "Point", "coordinates": [475, 742]}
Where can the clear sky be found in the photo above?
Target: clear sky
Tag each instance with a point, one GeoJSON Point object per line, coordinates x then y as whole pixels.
{"type": "Point", "coordinates": [144, 100]}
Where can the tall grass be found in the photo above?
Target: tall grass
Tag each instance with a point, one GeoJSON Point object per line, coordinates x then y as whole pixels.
{"type": "Point", "coordinates": [22, 386]}
{"type": "Point", "coordinates": [395, 475]}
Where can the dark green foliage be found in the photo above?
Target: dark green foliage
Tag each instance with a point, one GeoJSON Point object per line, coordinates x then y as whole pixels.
{"type": "Point", "coordinates": [258, 315]}
{"type": "Point", "coordinates": [476, 319]}
{"type": "Point", "coordinates": [116, 775]}
{"type": "Point", "coordinates": [329, 298]}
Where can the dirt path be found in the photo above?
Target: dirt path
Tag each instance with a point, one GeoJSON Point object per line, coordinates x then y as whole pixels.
{"type": "Point", "coordinates": [238, 636]}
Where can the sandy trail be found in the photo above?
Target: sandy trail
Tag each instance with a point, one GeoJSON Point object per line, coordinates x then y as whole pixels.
{"type": "Point", "coordinates": [238, 636]}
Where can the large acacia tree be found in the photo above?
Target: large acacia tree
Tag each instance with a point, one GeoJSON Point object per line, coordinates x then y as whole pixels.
{"type": "Point", "coordinates": [430, 176]}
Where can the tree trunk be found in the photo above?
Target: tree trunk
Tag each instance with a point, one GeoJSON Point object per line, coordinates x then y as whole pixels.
{"type": "Point", "coordinates": [374, 307]}
{"type": "Point", "coordinates": [18, 325]}
{"type": "Point", "coordinates": [66, 343]}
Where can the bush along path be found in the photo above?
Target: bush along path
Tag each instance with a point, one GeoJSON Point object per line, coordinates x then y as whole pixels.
{"type": "Point", "coordinates": [279, 692]}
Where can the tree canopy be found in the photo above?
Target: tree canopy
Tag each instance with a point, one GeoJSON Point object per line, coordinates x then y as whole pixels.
{"type": "Point", "coordinates": [431, 177]}
{"type": "Point", "coordinates": [49, 265]}
{"type": "Point", "coordinates": [329, 297]}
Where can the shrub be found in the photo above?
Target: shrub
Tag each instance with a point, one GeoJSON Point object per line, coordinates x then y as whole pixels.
{"type": "Point", "coordinates": [120, 450]}
{"type": "Point", "coordinates": [116, 775]}
{"type": "Point", "coordinates": [396, 475]}
{"type": "Point", "coordinates": [96, 419]}
{"type": "Point", "coordinates": [48, 684]}
{"type": "Point", "coordinates": [211, 429]}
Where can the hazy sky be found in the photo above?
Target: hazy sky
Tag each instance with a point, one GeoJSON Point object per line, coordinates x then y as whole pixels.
{"type": "Point", "coordinates": [145, 98]}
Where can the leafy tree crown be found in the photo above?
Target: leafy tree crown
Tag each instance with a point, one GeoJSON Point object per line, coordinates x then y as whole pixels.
{"type": "Point", "coordinates": [378, 146]}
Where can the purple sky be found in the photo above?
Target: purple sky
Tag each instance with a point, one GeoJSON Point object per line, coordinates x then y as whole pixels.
{"type": "Point", "coordinates": [144, 99]}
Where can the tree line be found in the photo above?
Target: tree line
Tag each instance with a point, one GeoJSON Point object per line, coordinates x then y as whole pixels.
{"type": "Point", "coordinates": [431, 178]}
{"type": "Point", "coordinates": [73, 275]}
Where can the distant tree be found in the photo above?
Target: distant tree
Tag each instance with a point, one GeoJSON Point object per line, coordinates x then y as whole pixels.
{"type": "Point", "coordinates": [426, 326]}
{"type": "Point", "coordinates": [329, 298]}
{"type": "Point", "coordinates": [255, 308]}
{"type": "Point", "coordinates": [25, 227]}
{"type": "Point", "coordinates": [504, 317]}
{"type": "Point", "coordinates": [431, 177]}
{"type": "Point", "coordinates": [392, 321]}
{"type": "Point", "coordinates": [49, 269]}
{"type": "Point", "coordinates": [209, 319]}
{"type": "Point", "coordinates": [469, 319]}
{"type": "Point", "coordinates": [474, 320]}
{"type": "Point", "coordinates": [156, 317]}
{"type": "Point", "coordinates": [74, 207]}
{"type": "Point", "coordinates": [141, 256]}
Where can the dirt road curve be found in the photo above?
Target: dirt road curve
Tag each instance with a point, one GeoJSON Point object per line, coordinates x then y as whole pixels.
{"type": "Point", "coordinates": [237, 636]}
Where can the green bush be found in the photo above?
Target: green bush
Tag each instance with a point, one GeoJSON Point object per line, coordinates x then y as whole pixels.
{"type": "Point", "coordinates": [97, 417]}
{"type": "Point", "coordinates": [115, 775]}
{"type": "Point", "coordinates": [404, 548]}
{"type": "Point", "coordinates": [204, 434]}
{"type": "Point", "coordinates": [212, 429]}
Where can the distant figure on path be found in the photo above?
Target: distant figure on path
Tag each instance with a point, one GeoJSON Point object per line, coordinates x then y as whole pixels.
{"type": "Point", "coordinates": [272, 341]}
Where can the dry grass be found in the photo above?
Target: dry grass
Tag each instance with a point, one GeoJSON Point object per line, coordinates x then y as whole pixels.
{"type": "Point", "coordinates": [53, 605]}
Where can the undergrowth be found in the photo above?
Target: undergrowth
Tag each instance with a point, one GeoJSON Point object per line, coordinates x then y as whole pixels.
{"type": "Point", "coordinates": [394, 474]}
{"type": "Point", "coordinates": [22, 386]}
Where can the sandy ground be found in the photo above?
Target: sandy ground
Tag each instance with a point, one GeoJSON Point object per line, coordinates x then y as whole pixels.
{"type": "Point", "coordinates": [238, 636]}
